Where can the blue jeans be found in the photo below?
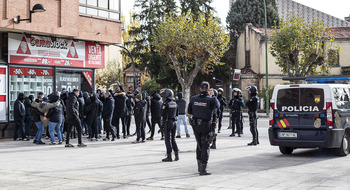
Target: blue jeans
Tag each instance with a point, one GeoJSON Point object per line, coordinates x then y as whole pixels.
{"type": "Point", "coordinates": [84, 126]}
{"type": "Point", "coordinates": [56, 127]}
{"type": "Point", "coordinates": [40, 131]}
{"type": "Point", "coordinates": [19, 126]}
{"type": "Point", "coordinates": [29, 121]}
{"type": "Point", "coordinates": [183, 118]}
{"type": "Point", "coordinates": [62, 124]}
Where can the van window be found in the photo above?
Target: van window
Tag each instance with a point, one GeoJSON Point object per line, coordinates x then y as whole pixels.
{"type": "Point", "coordinates": [341, 98]}
{"type": "Point", "coordinates": [300, 100]}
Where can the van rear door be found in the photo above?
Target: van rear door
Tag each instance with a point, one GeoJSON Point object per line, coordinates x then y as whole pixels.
{"type": "Point", "coordinates": [300, 108]}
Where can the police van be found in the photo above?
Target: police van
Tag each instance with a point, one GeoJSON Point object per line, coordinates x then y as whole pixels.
{"type": "Point", "coordinates": [311, 115]}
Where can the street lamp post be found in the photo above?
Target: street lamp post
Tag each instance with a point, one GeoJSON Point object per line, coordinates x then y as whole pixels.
{"type": "Point", "coordinates": [132, 61]}
{"type": "Point", "coordinates": [267, 69]}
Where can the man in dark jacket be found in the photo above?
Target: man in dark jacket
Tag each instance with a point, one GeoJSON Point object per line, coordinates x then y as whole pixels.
{"type": "Point", "coordinates": [93, 110]}
{"type": "Point", "coordinates": [236, 104]}
{"type": "Point", "coordinates": [223, 103]}
{"type": "Point", "coordinates": [181, 103]}
{"type": "Point", "coordinates": [29, 116]}
{"type": "Point", "coordinates": [19, 115]}
{"type": "Point", "coordinates": [120, 110]}
{"type": "Point", "coordinates": [107, 114]}
{"type": "Point", "coordinates": [156, 113]}
{"type": "Point", "coordinates": [36, 119]}
{"type": "Point", "coordinates": [148, 109]}
{"type": "Point", "coordinates": [55, 118]}
{"type": "Point", "coordinates": [73, 117]}
{"type": "Point", "coordinates": [101, 97]}
{"type": "Point", "coordinates": [130, 104]}
{"type": "Point", "coordinates": [140, 118]}
{"type": "Point", "coordinates": [85, 127]}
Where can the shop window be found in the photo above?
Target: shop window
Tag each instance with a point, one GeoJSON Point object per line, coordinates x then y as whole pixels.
{"type": "Point", "coordinates": [29, 81]}
{"type": "Point", "coordinates": [130, 79]}
{"type": "Point", "coordinates": [109, 9]}
{"type": "Point", "coordinates": [68, 79]}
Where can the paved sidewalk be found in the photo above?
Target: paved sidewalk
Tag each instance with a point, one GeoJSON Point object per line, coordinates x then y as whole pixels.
{"type": "Point", "coordinates": [122, 165]}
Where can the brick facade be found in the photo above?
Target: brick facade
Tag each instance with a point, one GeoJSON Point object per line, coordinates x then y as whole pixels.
{"type": "Point", "coordinates": [60, 19]}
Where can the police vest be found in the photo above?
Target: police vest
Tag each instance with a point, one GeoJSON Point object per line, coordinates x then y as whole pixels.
{"type": "Point", "coordinates": [203, 107]}
{"type": "Point", "coordinates": [170, 109]}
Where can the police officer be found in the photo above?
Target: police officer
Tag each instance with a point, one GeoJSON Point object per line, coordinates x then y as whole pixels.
{"type": "Point", "coordinates": [252, 105]}
{"type": "Point", "coordinates": [216, 114]}
{"type": "Point", "coordinates": [169, 114]}
{"type": "Point", "coordinates": [223, 103]}
{"type": "Point", "coordinates": [201, 108]}
{"type": "Point", "coordinates": [235, 105]}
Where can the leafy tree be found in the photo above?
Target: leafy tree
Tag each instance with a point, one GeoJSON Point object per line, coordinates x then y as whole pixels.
{"type": "Point", "coordinates": [109, 75]}
{"type": "Point", "coordinates": [196, 7]}
{"type": "Point", "coordinates": [191, 45]}
{"type": "Point", "coordinates": [133, 23]}
{"type": "Point", "coordinates": [151, 14]}
{"type": "Point", "coordinates": [303, 48]}
{"type": "Point", "coordinates": [248, 11]}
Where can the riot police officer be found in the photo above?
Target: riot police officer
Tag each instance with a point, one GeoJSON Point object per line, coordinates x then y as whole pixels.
{"type": "Point", "coordinates": [201, 108]}
{"type": "Point", "coordinates": [169, 114]}
{"type": "Point", "coordinates": [252, 105]}
{"type": "Point", "coordinates": [223, 103]}
{"type": "Point", "coordinates": [216, 115]}
{"type": "Point", "coordinates": [235, 105]}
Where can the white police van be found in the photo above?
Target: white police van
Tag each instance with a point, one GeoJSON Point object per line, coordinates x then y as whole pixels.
{"type": "Point", "coordinates": [311, 115]}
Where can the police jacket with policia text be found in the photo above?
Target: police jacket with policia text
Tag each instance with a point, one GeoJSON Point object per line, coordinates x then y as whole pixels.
{"type": "Point", "coordinates": [252, 104]}
{"type": "Point", "coordinates": [236, 104]}
{"type": "Point", "coordinates": [202, 107]}
{"type": "Point", "coordinates": [170, 110]}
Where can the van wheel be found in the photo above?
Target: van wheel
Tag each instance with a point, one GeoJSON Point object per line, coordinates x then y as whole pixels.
{"type": "Point", "coordinates": [344, 148]}
{"type": "Point", "coordinates": [286, 150]}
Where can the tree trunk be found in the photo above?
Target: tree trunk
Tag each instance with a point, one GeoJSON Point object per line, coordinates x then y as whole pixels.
{"type": "Point", "coordinates": [186, 90]}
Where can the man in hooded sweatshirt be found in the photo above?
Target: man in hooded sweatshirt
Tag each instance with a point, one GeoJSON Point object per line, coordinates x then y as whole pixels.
{"type": "Point", "coordinates": [29, 116]}
{"type": "Point", "coordinates": [140, 118]}
{"type": "Point", "coordinates": [156, 113]}
{"type": "Point", "coordinates": [19, 115]}
{"type": "Point", "coordinates": [182, 115]}
{"type": "Point", "coordinates": [120, 110]}
{"type": "Point", "coordinates": [107, 114]}
{"type": "Point", "coordinates": [130, 104]}
{"type": "Point", "coordinates": [93, 111]}
{"type": "Point", "coordinates": [55, 119]}
{"type": "Point", "coordinates": [73, 117]}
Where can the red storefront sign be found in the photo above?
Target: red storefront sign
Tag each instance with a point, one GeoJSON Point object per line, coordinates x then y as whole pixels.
{"type": "Point", "coordinates": [30, 72]}
{"type": "Point", "coordinates": [94, 55]}
{"type": "Point", "coordinates": [39, 50]}
{"type": "Point", "coordinates": [88, 76]}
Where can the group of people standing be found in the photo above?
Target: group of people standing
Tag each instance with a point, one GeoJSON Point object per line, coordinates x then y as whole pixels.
{"type": "Point", "coordinates": [77, 112]}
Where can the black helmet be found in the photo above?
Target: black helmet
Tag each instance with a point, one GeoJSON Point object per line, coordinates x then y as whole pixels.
{"type": "Point", "coordinates": [168, 94]}
{"type": "Point", "coordinates": [253, 90]}
{"type": "Point", "coordinates": [215, 92]}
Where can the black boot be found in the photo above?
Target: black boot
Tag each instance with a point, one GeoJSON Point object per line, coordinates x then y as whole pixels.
{"type": "Point", "coordinates": [203, 170]}
{"type": "Point", "coordinates": [168, 158]}
{"type": "Point", "coordinates": [213, 146]}
{"type": "Point", "coordinates": [199, 166]}
{"type": "Point", "coordinates": [176, 156]}
{"type": "Point", "coordinates": [253, 143]}
{"type": "Point", "coordinates": [257, 141]}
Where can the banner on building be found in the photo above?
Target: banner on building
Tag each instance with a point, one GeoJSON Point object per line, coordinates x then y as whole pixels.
{"type": "Point", "coordinates": [39, 50]}
{"type": "Point", "coordinates": [88, 76]}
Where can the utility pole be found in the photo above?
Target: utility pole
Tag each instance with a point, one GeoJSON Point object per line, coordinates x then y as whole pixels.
{"type": "Point", "coordinates": [267, 68]}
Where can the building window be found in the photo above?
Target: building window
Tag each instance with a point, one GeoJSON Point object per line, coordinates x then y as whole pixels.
{"type": "Point", "coordinates": [129, 79]}
{"type": "Point", "coordinates": [70, 80]}
{"type": "Point", "coordinates": [109, 9]}
{"type": "Point", "coordinates": [333, 58]}
{"type": "Point", "coordinates": [29, 81]}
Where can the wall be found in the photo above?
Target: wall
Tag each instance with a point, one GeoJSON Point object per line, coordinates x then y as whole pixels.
{"type": "Point", "coordinates": [61, 19]}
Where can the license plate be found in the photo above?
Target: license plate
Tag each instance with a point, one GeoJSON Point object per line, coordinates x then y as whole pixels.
{"type": "Point", "coordinates": [287, 134]}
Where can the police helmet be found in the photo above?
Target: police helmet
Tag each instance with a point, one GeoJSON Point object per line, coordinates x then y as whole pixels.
{"type": "Point", "coordinates": [215, 92]}
{"type": "Point", "coordinates": [237, 90]}
{"type": "Point", "coordinates": [168, 94]}
{"type": "Point", "coordinates": [220, 90]}
{"type": "Point", "coordinates": [253, 89]}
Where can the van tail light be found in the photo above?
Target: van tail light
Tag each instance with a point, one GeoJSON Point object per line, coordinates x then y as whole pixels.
{"type": "Point", "coordinates": [329, 112]}
{"type": "Point", "coordinates": [272, 106]}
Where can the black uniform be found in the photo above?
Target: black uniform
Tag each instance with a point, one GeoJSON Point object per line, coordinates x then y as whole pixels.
{"type": "Point", "coordinates": [169, 113]}
{"type": "Point", "coordinates": [202, 107]}
{"type": "Point", "coordinates": [223, 103]}
{"type": "Point", "coordinates": [252, 105]}
{"type": "Point", "coordinates": [156, 105]}
{"type": "Point", "coordinates": [73, 116]}
{"type": "Point", "coordinates": [235, 105]}
{"type": "Point", "coordinates": [216, 115]}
